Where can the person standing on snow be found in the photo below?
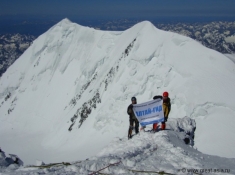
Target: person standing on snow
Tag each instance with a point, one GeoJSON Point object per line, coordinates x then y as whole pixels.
{"type": "Point", "coordinates": [132, 118]}
{"type": "Point", "coordinates": [166, 105]}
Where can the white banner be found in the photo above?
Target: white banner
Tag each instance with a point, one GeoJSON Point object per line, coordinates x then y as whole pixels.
{"type": "Point", "coordinates": [149, 112]}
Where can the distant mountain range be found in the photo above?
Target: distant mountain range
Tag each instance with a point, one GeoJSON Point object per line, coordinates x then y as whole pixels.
{"type": "Point", "coordinates": [219, 36]}
{"type": "Point", "coordinates": [11, 47]}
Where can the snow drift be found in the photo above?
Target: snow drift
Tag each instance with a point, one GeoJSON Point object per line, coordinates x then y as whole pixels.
{"type": "Point", "coordinates": [65, 98]}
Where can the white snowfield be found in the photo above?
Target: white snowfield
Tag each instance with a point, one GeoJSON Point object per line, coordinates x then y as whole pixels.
{"type": "Point", "coordinates": [72, 71]}
{"type": "Point", "coordinates": [152, 153]}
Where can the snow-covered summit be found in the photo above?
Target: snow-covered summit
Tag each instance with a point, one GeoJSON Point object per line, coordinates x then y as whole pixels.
{"type": "Point", "coordinates": [69, 91]}
{"type": "Point", "coordinates": [65, 21]}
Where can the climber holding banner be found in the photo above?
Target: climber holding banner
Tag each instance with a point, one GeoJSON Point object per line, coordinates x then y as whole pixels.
{"type": "Point", "coordinates": [149, 112]}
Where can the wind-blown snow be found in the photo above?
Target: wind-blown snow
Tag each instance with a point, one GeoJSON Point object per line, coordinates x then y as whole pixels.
{"type": "Point", "coordinates": [65, 98]}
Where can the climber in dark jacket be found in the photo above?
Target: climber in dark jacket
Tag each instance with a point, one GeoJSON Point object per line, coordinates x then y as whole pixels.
{"type": "Point", "coordinates": [132, 118]}
{"type": "Point", "coordinates": [166, 105]}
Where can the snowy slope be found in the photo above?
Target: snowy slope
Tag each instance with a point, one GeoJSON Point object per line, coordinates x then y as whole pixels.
{"type": "Point", "coordinates": [65, 98]}
{"type": "Point", "coordinates": [231, 57]}
{"type": "Point", "coordinates": [149, 152]}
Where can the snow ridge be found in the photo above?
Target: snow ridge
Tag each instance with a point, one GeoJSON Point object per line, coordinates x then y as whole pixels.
{"type": "Point", "coordinates": [161, 152]}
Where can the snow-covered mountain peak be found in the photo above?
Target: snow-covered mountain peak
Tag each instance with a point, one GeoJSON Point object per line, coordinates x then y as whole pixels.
{"type": "Point", "coordinates": [144, 25]}
{"type": "Point", "coordinates": [70, 89]}
{"type": "Point", "coordinates": [64, 21]}
{"type": "Point", "coordinates": [66, 25]}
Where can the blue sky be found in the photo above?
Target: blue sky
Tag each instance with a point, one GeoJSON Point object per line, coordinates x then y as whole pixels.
{"type": "Point", "coordinates": [118, 8]}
